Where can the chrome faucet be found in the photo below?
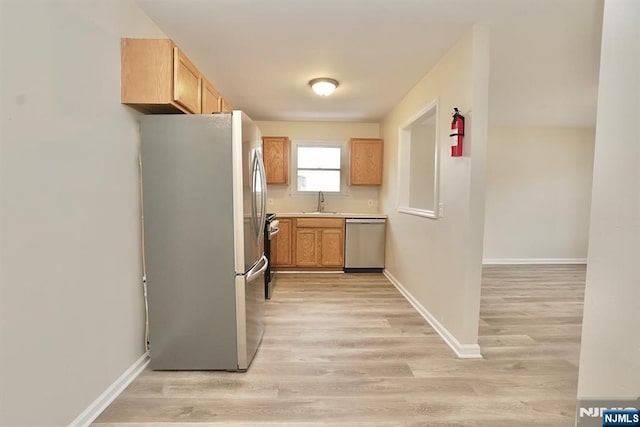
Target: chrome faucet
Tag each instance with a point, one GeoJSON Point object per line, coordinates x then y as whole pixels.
{"type": "Point", "coordinates": [320, 207]}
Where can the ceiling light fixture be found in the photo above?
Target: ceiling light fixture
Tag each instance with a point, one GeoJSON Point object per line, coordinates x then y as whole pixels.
{"type": "Point", "coordinates": [323, 86]}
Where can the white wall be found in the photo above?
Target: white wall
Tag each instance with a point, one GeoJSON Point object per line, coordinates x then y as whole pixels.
{"type": "Point", "coordinates": [439, 261]}
{"type": "Point", "coordinates": [71, 302]}
{"type": "Point", "coordinates": [538, 194]}
{"type": "Point", "coordinates": [357, 198]}
{"type": "Point", "coordinates": [610, 351]}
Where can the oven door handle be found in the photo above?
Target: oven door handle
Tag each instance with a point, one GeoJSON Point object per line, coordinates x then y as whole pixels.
{"type": "Point", "coordinates": [258, 269]}
{"type": "Point", "coordinates": [273, 232]}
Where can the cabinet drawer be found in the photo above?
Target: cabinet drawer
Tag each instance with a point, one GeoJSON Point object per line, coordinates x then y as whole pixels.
{"type": "Point", "coordinates": [320, 222]}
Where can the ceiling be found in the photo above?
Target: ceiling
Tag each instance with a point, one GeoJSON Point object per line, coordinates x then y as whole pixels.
{"type": "Point", "coordinates": [261, 54]}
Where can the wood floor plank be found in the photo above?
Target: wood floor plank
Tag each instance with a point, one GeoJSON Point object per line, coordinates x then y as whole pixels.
{"type": "Point", "coordinates": [349, 350]}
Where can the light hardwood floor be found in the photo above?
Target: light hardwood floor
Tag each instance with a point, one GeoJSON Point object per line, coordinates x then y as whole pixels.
{"type": "Point", "coordinates": [347, 349]}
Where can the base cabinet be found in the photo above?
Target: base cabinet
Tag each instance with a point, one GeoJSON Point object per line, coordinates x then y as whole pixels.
{"type": "Point", "coordinates": [307, 248]}
{"type": "Point", "coordinates": [332, 247]}
{"type": "Point", "coordinates": [282, 244]}
{"type": "Point", "coordinates": [309, 243]}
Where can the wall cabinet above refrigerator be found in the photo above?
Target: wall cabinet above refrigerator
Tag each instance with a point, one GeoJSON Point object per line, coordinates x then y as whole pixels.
{"type": "Point", "coordinates": [158, 78]}
{"type": "Point", "coordinates": [211, 98]}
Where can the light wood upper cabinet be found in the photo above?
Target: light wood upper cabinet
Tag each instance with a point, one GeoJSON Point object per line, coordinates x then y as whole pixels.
{"type": "Point", "coordinates": [365, 161]}
{"type": "Point", "coordinates": [225, 107]}
{"type": "Point", "coordinates": [187, 87]}
{"type": "Point", "coordinates": [282, 244]}
{"type": "Point", "coordinates": [210, 98]}
{"type": "Point", "coordinates": [275, 152]}
{"type": "Point", "coordinates": [157, 77]}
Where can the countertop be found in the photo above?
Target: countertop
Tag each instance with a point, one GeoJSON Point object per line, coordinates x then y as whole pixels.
{"type": "Point", "coordinates": [328, 215]}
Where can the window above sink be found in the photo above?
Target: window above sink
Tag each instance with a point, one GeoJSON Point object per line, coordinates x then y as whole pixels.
{"type": "Point", "coordinates": [319, 166]}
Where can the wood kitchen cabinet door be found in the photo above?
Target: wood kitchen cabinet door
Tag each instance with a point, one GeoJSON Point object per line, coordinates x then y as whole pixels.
{"type": "Point", "coordinates": [319, 243]}
{"type": "Point", "coordinates": [225, 107]}
{"type": "Point", "coordinates": [186, 82]}
{"type": "Point", "coordinates": [332, 247]}
{"type": "Point", "coordinates": [158, 78]}
{"type": "Point", "coordinates": [275, 152]}
{"type": "Point", "coordinates": [210, 98]}
{"type": "Point", "coordinates": [365, 161]}
{"type": "Point", "coordinates": [282, 244]}
{"type": "Point", "coordinates": [307, 247]}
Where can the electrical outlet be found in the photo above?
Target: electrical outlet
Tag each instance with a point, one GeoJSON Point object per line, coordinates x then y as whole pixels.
{"type": "Point", "coordinates": [270, 201]}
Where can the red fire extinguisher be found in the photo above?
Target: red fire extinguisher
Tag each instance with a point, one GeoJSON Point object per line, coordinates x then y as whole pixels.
{"type": "Point", "coordinates": [457, 133]}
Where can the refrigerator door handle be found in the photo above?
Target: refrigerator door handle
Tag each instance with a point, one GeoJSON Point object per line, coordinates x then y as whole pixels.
{"type": "Point", "coordinates": [257, 269]}
{"type": "Point", "coordinates": [254, 195]}
{"type": "Point", "coordinates": [263, 187]}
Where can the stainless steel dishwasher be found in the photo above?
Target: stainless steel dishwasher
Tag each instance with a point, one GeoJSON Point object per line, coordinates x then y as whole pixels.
{"type": "Point", "coordinates": [364, 245]}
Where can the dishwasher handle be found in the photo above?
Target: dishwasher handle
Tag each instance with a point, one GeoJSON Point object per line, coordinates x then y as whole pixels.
{"type": "Point", "coordinates": [365, 220]}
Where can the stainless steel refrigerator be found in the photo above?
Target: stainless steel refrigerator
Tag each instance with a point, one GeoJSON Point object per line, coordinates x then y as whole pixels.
{"type": "Point", "coordinates": [204, 200]}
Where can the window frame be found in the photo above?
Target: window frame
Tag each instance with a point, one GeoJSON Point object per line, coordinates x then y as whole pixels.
{"type": "Point", "coordinates": [404, 179]}
{"type": "Point", "coordinates": [342, 145]}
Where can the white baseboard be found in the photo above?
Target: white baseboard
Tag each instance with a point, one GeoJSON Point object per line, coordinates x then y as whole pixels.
{"type": "Point", "coordinates": [500, 261]}
{"type": "Point", "coordinates": [463, 351]}
{"type": "Point", "coordinates": [109, 395]}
